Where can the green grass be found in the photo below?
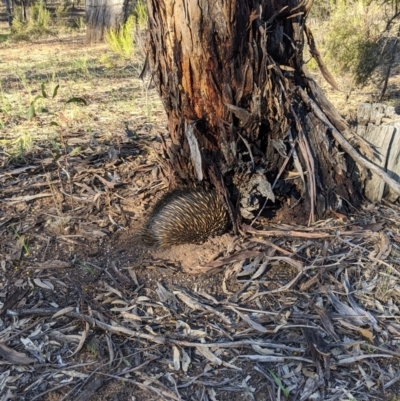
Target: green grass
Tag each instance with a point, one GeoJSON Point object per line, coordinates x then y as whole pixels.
{"type": "Point", "coordinates": [41, 22]}
{"type": "Point", "coordinates": [38, 23]}
{"type": "Point", "coordinates": [4, 37]}
{"type": "Point", "coordinates": [125, 41]}
{"type": "Point", "coordinates": [21, 239]}
{"type": "Point", "coordinates": [122, 42]}
{"type": "Point", "coordinates": [279, 383]}
{"type": "Point", "coordinates": [88, 269]}
{"type": "Point", "coordinates": [140, 13]}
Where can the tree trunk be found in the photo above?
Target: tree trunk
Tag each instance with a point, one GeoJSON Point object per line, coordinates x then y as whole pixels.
{"type": "Point", "coordinates": [103, 15]}
{"type": "Point", "coordinates": [25, 9]}
{"type": "Point", "coordinates": [8, 11]}
{"type": "Point", "coordinates": [243, 113]}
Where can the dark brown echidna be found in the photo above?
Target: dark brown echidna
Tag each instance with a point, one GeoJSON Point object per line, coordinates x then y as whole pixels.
{"type": "Point", "coordinates": [185, 216]}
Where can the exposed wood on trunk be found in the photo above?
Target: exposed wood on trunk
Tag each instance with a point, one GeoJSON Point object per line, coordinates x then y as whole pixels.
{"type": "Point", "coordinates": [231, 71]}
{"type": "Point", "coordinates": [380, 126]}
{"type": "Point", "coordinates": [393, 184]}
{"type": "Point", "coordinates": [103, 15]}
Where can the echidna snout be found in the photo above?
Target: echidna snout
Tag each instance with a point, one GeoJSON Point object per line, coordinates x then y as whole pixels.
{"type": "Point", "coordinates": [185, 216]}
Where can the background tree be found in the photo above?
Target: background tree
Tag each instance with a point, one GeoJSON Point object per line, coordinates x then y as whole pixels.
{"type": "Point", "coordinates": [24, 4]}
{"type": "Point", "coordinates": [8, 11]}
{"type": "Point", "coordinates": [104, 15]}
{"type": "Point", "coordinates": [243, 110]}
{"type": "Point", "coordinates": [358, 38]}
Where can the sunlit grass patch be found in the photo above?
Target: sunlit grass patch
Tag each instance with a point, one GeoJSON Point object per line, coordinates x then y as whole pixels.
{"type": "Point", "coordinates": [140, 13]}
{"type": "Point", "coordinates": [122, 41]}
{"type": "Point", "coordinates": [109, 84]}
{"type": "Point", "coordinates": [127, 40]}
{"type": "Point", "coordinates": [19, 147]}
{"type": "Point", "coordinates": [38, 22]}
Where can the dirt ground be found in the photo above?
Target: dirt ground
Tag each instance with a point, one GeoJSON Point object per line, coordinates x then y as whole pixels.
{"type": "Point", "coordinates": [87, 312]}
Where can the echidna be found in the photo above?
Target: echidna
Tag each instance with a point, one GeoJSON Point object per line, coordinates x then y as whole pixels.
{"type": "Point", "coordinates": [189, 215]}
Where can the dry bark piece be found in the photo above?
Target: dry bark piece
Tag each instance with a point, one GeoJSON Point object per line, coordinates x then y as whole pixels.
{"type": "Point", "coordinates": [13, 356]}
{"type": "Point", "coordinates": [91, 388]}
{"type": "Point", "coordinates": [13, 299]}
{"type": "Point", "coordinates": [51, 264]}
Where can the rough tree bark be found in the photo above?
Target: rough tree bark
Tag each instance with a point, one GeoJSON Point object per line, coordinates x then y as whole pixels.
{"type": "Point", "coordinates": [103, 15]}
{"type": "Point", "coordinates": [242, 108]}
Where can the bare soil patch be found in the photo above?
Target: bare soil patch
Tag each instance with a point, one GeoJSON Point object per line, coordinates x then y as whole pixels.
{"type": "Point", "coordinates": [89, 313]}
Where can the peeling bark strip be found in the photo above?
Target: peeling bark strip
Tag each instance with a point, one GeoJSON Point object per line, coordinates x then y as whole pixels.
{"type": "Point", "coordinates": [231, 70]}
{"type": "Point", "coordinates": [103, 15]}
